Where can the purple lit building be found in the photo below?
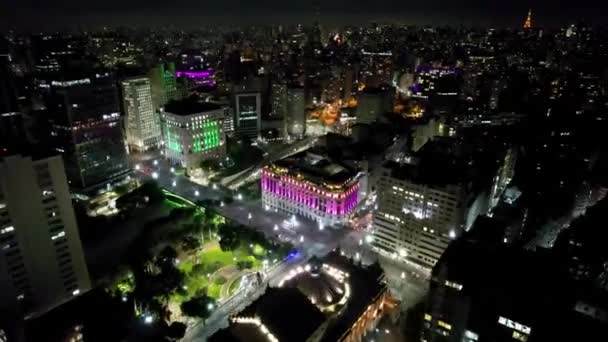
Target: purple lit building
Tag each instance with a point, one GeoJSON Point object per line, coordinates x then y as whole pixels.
{"type": "Point", "coordinates": [312, 186]}
{"type": "Point", "coordinates": [198, 78]}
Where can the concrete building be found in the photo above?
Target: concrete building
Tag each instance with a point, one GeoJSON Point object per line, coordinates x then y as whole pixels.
{"type": "Point", "coordinates": [163, 84]}
{"type": "Point", "coordinates": [372, 103]}
{"type": "Point", "coordinates": [279, 100]}
{"type": "Point", "coordinates": [194, 131]}
{"type": "Point", "coordinates": [421, 208]}
{"type": "Point", "coordinates": [42, 264]}
{"type": "Point", "coordinates": [247, 115]}
{"type": "Point", "coordinates": [142, 121]}
{"type": "Point", "coordinates": [310, 185]}
{"type": "Point", "coordinates": [295, 118]}
{"type": "Point", "coordinates": [86, 129]}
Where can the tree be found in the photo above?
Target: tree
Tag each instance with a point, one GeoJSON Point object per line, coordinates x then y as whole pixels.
{"type": "Point", "coordinates": [176, 331]}
{"type": "Point", "coordinates": [229, 237]}
{"type": "Point", "coordinates": [200, 306]}
{"type": "Point", "coordinates": [151, 190]}
{"type": "Point", "coordinates": [190, 243]}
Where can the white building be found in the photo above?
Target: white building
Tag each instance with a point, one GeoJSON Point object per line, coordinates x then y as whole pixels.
{"type": "Point", "coordinates": [194, 131]}
{"type": "Point", "coordinates": [42, 264]}
{"type": "Point", "coordinates": [142, 121]}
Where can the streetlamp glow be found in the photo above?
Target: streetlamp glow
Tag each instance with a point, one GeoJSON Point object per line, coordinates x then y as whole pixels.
{"type": "Point", "coordinates": [196, 193]}
{"type": "Point", "coordinates": [137, 167]}
{"type": "Point", "coordinates": [301, 238]}
{"type": "Point", "coordinates": [155, 162]}
{"type": "Point", "coordinates": [174, 183]}
{"type": "Point", "coordinates": [155, 175]}
{"type": "Point", "coordinates": [276, 227]}
{"type": "Point", "coordinates": [172, 169]}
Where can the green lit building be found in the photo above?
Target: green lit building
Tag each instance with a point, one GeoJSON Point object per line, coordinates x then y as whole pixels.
{"type": "Point", "coordinates": [163, 84]}
{"type": "Point", "coordinates": [193, 132]}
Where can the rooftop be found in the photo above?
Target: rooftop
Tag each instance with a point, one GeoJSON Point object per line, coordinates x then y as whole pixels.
{"type": "Point", "coordinates": [317, 168]}
{"type": "Point", "coordinates": [190, 106]}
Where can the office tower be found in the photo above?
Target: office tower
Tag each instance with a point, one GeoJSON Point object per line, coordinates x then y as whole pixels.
{"type": "Point", "coordinates": [12, 128]}
{"type": "Point", "coordinates": [163, 85]}
{"type": "Point", "coordinates": [194, 131]}
{"type": "Point", "coordinates": [52, 52]}
{"type": "Point", "coordinates": [310, 185]}
{"type": "Point", "coordinates": [42, 263]}
{"type": "Point", "coordinates": [279, 100]}
{"type": "Point", "coordinates": [85, 119]}
{"type": "Point", "coordinates": [421, 208]}
{"type": "Point", "coordinates": [372, 103]}
{"type": "Point", "coordinates": [142, 121]}
{"type": "Point", "coordinates": [295, 120]}
{"type": "Point", "coordinates": [485, 290]}
{"type": "Point", "coordinates": [247, 115]}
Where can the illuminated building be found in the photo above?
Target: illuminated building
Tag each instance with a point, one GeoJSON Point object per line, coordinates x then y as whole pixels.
{"type": "Point", "coordinates": [311, 186]}
{"type": "Point", "coordinates": [42, 263]}
{"type": "Point", "coordinates": [421, 208]}
{"type": "Point", "coordinates": [279, 100]}
{"type": "Point", "coordinates": [163, 84]}
{"type": "Point", "coordinates": [528, 22]}
{"type": "Point", "coordinates": [193, 132]}
{"type": "Point", "coordinates": [142, 121]}
{"type": "Point", "coordinates": [86, 129]}
{"type": "Point", "coordinates": [197, 78]}
{"type": "Point", "coordinates": [485, 290]}
{"type": "Point", "coordinates": [372, 103]}
{"type": "Point", "coordinates": [247, 115]}
{"type": "Point", "coordinates": [436, 82]}
{"type": "Point", "coordinates": [327, 300]}
{"type": "Point", "coordinates": [295, 117]}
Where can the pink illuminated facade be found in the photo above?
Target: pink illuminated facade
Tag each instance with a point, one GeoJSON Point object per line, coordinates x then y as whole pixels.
{"type": "Point", "coordinates": [292, 192]}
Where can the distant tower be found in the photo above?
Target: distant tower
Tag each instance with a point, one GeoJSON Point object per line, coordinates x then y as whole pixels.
{"type": "Point", "coordinates": [528, 22]}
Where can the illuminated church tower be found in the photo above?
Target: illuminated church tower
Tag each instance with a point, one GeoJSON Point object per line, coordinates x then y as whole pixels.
{"type": "Point", "coordinates": [528, 22]}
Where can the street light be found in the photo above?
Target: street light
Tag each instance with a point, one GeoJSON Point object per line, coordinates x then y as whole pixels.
{"type": "Point", "coordinates": [301, 238]}
{"type": "Point", "coordinates": [452, 234]}
{"type": "Point", "coordinates": [214, 186]}
{"type": "Point", "coordinates": [402, 275]}
{"type": "Point", "coordinates": [221, 203]}
{"type": "Point", "coordinates": [174, 183]}
{"type": "Point", "coordinates": [172, 169]}
{"type": "Point", "coordinates": [196, 193]}
{"type": "Point", "coordinates": [155, 175]}
{"type": "Point", "coordinates": [137, 167]}
{"type": "Point", "coordinates": [321, 226]}
{"type": "Point", "coordinates": [155, 162]}
{"type": "Point", "coordinates": [276, 227]}
{"type": "Point", "coordinates": [249, 216]}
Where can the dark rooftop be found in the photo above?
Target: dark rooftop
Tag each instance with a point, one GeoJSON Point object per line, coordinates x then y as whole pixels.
{"type": "Point", "coordinates": [316, 168]}
{"type": "Point", "coordinates": [190, 106]}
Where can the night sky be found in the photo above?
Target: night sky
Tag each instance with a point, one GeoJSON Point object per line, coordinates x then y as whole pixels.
{"type": "Point", "coordinates": [191, 13]}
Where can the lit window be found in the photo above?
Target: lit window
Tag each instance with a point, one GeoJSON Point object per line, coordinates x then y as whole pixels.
{"type": "Point", "coordinates": [427, 317]}
{"type": "Point", "coordinates": [444, 325]}
{"type": "Point", "coordinates": [76, 292]}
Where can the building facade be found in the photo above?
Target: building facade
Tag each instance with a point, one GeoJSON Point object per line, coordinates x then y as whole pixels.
{"type": "Point", "coordinates": [295, 118]}
{"type": "Point", "coordinates": [194, 131]}
{"type": "Point", "coordinates": [86, 129]}
{"type": "Point", "coordinates": [142, 121]}
{"type": "Point", "coordinates": [247, 115]}
{"type": "Point", "coordinates": [42, 263]}
{"type": "Point", "coordinates": [163, 84]}
{"type": "Point", "coordinates": [416, 220]}
{"type": "Point", "coordinates": [311, 186]}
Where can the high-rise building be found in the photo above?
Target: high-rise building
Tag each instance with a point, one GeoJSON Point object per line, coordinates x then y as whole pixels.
{"type": "Point", "coordinates": [42, 263]}
{"type": "Point", "coordinates": [421, 208]}
{"type": "Point", "coordinates": [194, 131]}
{"type": "Point", "coordinates": [86, 129]}
{"type": "Point", "coordinates": [279, 100]}
{"type": "Point", "coordinates": [295, 117]}
{"type": "Point", "coordinates": [310, 185]}
{"type": "Point", "coordinates": [12, 128]}
{"type": "Point", "coordinates": [247, 114]}
{"type": "Point", "coordinates": [163, 84]}
{"type": "Point", "coordinates": [372, 103]}
{"type": "Point", "coordinates": [142, 121]}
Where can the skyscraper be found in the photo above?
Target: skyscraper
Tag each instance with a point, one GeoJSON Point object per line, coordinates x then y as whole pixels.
{"type": "Point", "coordinates": [295, 120]}
{"type": "Point", "coordinates": [248, 121]}
{"type": "Point", "coordinates": [163, 84]}
{"type": "Point", "coordinates": [279, 100]}
{"type": "Point", "coordinates": [85, 119]}
{"type": "Point", "coordinates": [142, 121]}
{"type": "Point", "coordinates": [41, 260]}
